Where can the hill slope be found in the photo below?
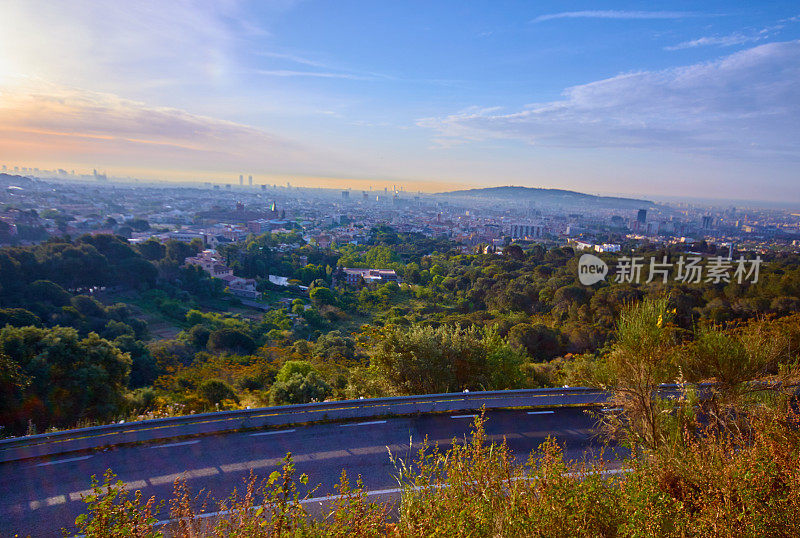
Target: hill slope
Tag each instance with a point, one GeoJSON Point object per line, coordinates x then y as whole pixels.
{"type": "Point", "coordinates": [549, 196]}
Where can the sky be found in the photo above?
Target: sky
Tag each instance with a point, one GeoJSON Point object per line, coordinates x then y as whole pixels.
{"type": "Point", "coordinates": [681, 98]}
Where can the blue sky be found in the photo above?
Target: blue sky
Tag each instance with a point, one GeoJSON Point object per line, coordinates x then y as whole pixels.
{"type": "Point", "coordinates": [679, 98]}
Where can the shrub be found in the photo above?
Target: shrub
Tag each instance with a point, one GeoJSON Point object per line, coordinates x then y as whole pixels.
{"type": "Point", "coordinates": [216, 391]}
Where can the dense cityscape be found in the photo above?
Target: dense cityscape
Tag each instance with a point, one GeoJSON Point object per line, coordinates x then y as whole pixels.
{"type": "Point", "coordinates": [38, 207]}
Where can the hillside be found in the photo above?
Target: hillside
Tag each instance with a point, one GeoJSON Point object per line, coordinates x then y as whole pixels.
{"type": "Point", "coordinates": [550, 197]}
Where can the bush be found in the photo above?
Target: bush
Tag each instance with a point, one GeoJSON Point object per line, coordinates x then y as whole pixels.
{"type": "Point", "coordinates": [231, 340]}
{"type": "Point", "coordinates": [298, 389]}
{"type": "Point", "coordinates": [216, 391]}
{"type": "Point", "coordinates": [725, 485]}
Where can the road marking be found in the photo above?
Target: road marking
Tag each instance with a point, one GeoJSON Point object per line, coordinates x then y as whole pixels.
{"type": "Point", "coordinates": [364, 423]}
{"type": "Point", "coordinates": [271, 433]}
{"type": "Point", "coordinates": [67, 460]}
{"type": "Point", "coordinates": [184, 443]}
{"type": "Point", "coordinates": [463, 416]}
{"type": "Point", "coordinates": [188, 475]}
{"type": "Point", "coordinates": [541, 412]}
{"type": "Point", "coordinates": [50, 501]}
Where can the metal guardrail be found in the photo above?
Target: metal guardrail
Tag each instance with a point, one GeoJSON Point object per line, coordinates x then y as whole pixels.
{"type": "Point", "coordinates": [226, 421]}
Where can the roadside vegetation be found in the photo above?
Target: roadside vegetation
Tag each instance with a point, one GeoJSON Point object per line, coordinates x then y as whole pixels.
{"type": "Point", "coordinates": [722, 460]}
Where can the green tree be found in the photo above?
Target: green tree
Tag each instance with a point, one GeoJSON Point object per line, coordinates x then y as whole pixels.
{"type": "Point", "coordinates": [540, 342]}
{"type": "Point", "coordinates": [231, 340]}
{"type": "Point", "coordinates": [298, 389]}
{"type": "Point", "coordinates": [71, 378]}
{"type": "Point", "coordinates": [322, 296]}
{"type": "Point", "coordinates": [216, 391]}
{"type": "Point", "coordinates": [424, 360]}
{"type": "Point", "coordinates": [642, 357]}
{"type": "Point", "coordinates": [290, 368]}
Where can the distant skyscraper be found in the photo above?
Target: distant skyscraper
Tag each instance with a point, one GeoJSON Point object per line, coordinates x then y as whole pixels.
{"type": "Point", "coordinates": [345, 195]}
{"type": "Point", "coordinates": [641, 216]}
{"type": "Point", "coordinates": [707, 221]}
{"type": "Point", "coordinates": [241, 180]}
{"type": "Point", "coordinates": [250, 180]}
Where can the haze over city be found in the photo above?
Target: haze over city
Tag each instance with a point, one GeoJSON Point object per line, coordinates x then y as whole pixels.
{"type": "Point", "coordinates": [675, 100]}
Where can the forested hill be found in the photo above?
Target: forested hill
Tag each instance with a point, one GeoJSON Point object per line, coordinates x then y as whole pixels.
{"type": "Point", "coordinates": [550, 196]}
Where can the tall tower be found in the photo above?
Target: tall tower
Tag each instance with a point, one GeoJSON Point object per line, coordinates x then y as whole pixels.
{"type": "Point", "coordinates": [250, 180]}
{"type": "Point", "coordinates": [241, 180]}
{"type": "Point", "coordinates": [641, 216]}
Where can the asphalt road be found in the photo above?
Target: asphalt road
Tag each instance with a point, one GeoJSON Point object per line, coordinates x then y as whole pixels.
{"type": "Point", "coordinates": [39, 497]}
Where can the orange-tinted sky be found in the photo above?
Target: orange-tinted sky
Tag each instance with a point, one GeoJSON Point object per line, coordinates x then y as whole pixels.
{"type": "Point", "coordinates": [431, 96]}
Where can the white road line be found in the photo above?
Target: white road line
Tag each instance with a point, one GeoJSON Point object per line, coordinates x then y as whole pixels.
{"type": "Point", "coordinates": [184, 443]}
{"type": "Point", "coordinates": [67, 460]}
{"type": "Point", "coordinates": [463, 416]}
{"type": "Point", "coordinates": [364, 423]}
{"type": "Point", "coordinates": [271, 433]}
{"type": "Point", "coordinates": [541, 412]}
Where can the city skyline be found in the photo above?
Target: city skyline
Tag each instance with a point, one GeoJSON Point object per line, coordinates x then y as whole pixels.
{"type": "Point", "coordinates": [683, 99]}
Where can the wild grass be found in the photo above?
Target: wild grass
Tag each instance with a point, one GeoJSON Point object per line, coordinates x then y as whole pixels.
{"type": "Point", "coordinates": [720, 483]}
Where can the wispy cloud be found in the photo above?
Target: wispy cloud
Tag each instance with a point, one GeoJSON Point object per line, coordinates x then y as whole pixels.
{"type": "Point", "coordinates": [722, 41]}
{"type": "Point", "coordinates": [314, 74]}
{"type": "Point", "coordinates": [293, 58]}
{"type": "Point", "coordinates": [743, 103]}
{"type": "Point", "coordinates": [615, 14]}
{"type": "Point", "coordinates": [49, 119]}
{"type": "Point", "coordinates": [736, 38]}
{"type": "Point", "coordinates": [328, 70]}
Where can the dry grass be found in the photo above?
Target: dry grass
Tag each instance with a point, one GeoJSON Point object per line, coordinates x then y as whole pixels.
{"type": "Point", "coordinates": [738, 483]}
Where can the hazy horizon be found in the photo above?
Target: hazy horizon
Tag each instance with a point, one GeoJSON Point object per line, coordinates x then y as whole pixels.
{"type": "Point", "coordinates": [690, 100]}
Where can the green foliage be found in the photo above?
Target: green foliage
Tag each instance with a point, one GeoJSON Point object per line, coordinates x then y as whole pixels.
{"type": "Point", "coordinates": [18, 317]}
{"type": "Point", "coordinates": [538, 341]}
{"type": "Point", "coordinates": [642, 357]}
{"type": "Point", "coordinates": [112, 513]}
{"type": "Point", "coordinates": [424, 360]}
{"type": "Point", "coordinates": [290, 368]}
{"type": "Point", "coordinates": [70, 378]}
{"type": "Point", "coordinates": [298, 388]}
{"type": "Point", "coordinates": [322, 296]}
{"type": "Point", "coordinates": [231, 341]}
{"type": "Point", "coordinates": [144, 368]}
{"type": "Point", "coordinates": [216, 391]}
{"type": "Point", "coordinates": [733, 358]}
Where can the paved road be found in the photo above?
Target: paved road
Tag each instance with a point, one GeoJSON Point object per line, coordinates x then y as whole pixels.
{"type": "Point", "coordinates": [41, 496]}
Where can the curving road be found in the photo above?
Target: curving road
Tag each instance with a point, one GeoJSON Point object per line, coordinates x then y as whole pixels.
{"type": "Point", "coordinates": [42, 496]}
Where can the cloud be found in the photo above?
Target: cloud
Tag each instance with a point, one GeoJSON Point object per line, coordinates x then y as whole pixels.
{"type": "Point", "coordinates": [329, 71]}
{"type": "Point", "coordinates": [317, 74]}
{"type": "Point", "coordinates": [615, 14]}
{"type": "Point", "coordinates": [123, 46]}
{"type": "Point", "coordinates": [293, 58]}
{"type": "Point", "coordinates": [737, 38]}
{"type": "Point", "coordinates": [745, 103]}
{"type": "Point", "coordinates": [722, 41]}
{"type": "Point", "coordinates": [59, 121]}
